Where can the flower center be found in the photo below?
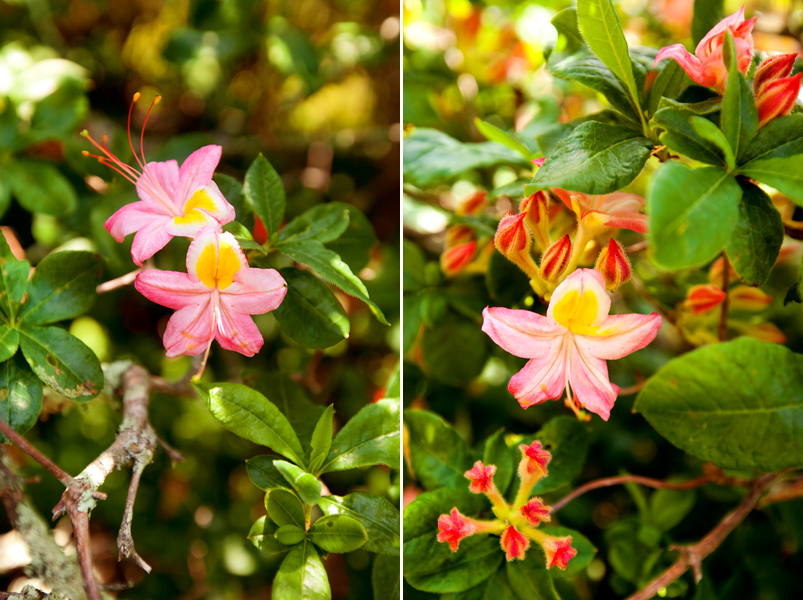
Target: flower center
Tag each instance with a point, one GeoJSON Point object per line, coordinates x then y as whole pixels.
{"type": "Point", "coordinates": [576, 313]}
{"type": "Point", "coordinates": [193, 216]}
{"type": "Point", "coordinates": [217, 269]}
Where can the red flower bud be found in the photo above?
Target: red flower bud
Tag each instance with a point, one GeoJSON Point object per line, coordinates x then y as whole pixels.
{"type": "Point", "coordinates": [457, 258]}
{"type": "Point", "coordinates": [766, 332]}
{"type": "Point", "coordinates": [536, 209]}
{"type": "Point", "coordinates": [454, 527]}
{"type": "Point", "coordinates": [775, 67]}
{"type": "Point", "coordinates": [259, 232]}
{"type": "Point", "coordinates": [511, 236]}
{"type": "Point", "coordinates": [614, 265]}
{"type": "Point", "coordinates": [514, 544]}
{"type": "Point", "coordinates": [459, 234]}
{"type": "Point", "coordinates": [535, 511]}
{"type": "Point", "coordinates": [702, 298]}
{"type": "Point", "coordinates": [534, 459]}
{"type": "Point", "coordinates": [777, 98]}
{"type": "Point", "coordinates": [749, 298]}
{"type": "Point", "coordinates": [558, 551]}
{"type": "Point", "coordinates": [555, 259]}
{"type": "Point", "coordinates": [481, 477]}
{"type": "Point", "coordinates": [473, 204]}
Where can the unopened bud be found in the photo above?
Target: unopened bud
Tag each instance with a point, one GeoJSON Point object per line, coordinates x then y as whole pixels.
{"type": "Point", "coordinates": [536, 211]}
{"type": "Point", "coordinates": [454, 527]}
{"type": "Point", "coordinates": [715, 272]}
{"type": "Point", "coordinates": [481, 477]}
{"type": "Point", "coordinates": [558, 551]}
{"type": "Point", "coordinates": [777, 98]}
{"type": "Point", "coordinates": [457, 258]}
{"type": "Point", "coordinates": [702, 298]}
{"type": "Point", "coordinates": [473, 204]}
{"type": "Point", "coordinates": [535, 511]}
{"type": "Point", "coordinates": [614, 265]}
{"type": "Point", "coordinates": [766, 332]}
{"type": "Point", "coordinates": [555, 259]}
{"type": "Point", "coordinates": [749, 298]}
{"type": "Point", "coordinates": [459, 234]}
{"type": "Point", "coordinates": [259, 232]}
{"type": "Point", "coordinates": [514, 543]}
{"type": "Point", "coordinates": [513, 242]}
{"type": "Point", "coordinates": [534, 460]}
{"type": "Point", "coordinates": [775, 67]}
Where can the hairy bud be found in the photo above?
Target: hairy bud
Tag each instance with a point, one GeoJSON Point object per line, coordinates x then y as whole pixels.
{"type": "Point", "coordinates": [534, 459]}
{"type": "Point", "coordinates": [455, 527]}
{"type": "Point", "coordinates": [513, 242]}
{"type": "Point", "coordinates": [777, 98]}
{"type": "Point", "coordinates": [514, 543]}
{"type": "Point", "coordinates": [558, 551]}
{"type": "Point", "coordinates": [555, 259]}
{"type": "Point", "coordinates": [702, 298]}
{"type": "Point", "coordinates": [614, 265]}
{"type": "Point", "coordinates": [775, 67]}
{"type": "Point", "coordinates": [457, 258]}
{"type": "Point", "coordinates": [459, 234]}
{"type": "Point", "coordinates": [535, 511]}
{"type": "Point", "coordinates": [473, 204]}
{"type": "Point", "coordinates": [749, 298]}
{"type": "Point", "coordinates": [536, 209]}
{"type": "Point", "coordinates": [481, 477]}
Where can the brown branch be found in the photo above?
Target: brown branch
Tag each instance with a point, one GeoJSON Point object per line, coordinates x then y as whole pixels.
{"type": "Point", "coordinates": [691, 557]}
{"type": "Point", "coordinates": [723, 317]}
{"type": "Point", "coordinates": [31, 451]}
{"type": "Point", "coordinates": [637, 247]}
{"type": "Point", "coordinates": [633, 389]}
{"type": "Point", "coordinates": [787, 490]}
{"type": "Point", "coordinates": [793, 229]}
{"type": "Point", "coordinates": [116, 284]}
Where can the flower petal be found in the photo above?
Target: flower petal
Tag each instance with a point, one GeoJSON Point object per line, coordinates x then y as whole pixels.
{"type": "Point", "coordinates": [190, 330]}
{"type": "Point", "coordinates": [620, 335]}
{"type": "Point", "coordinates": [157, 186]}
{"type": "Point", "coordinates": [130, 218]}
{"type": "Point", "coordinates": [542, 378]}
{"type": "Point", "coordinates": [215, 258]}
{"type": "Point", "coordinates": [580, 303]}
{"type": "Point", "coordinates": [730, 21]}
{"type": "Point", "coordinates": [238, 332]}
{"type": "Point", "coordinates": [521, 332]}
{"type": "Point", "coordinates": [171, 289]}
{"type": "Point", "coordinates": [588, 376]}
{"type": "Point", "coordinates": [196, 172]}
{"type": "Point", "coordinates": [688, 62]}
{"type": "Point", "coordinates": [205, 207]}
{"type": "Point", "coordinates": [254, 291]}
{"type": "Point", "coordinates": [150, 239]}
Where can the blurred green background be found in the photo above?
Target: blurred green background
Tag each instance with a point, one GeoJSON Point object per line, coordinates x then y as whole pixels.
{"type": "Point", "coordinates": [313, 85]}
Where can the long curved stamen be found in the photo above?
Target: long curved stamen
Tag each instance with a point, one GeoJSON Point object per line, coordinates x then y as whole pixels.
{"type": "Point", "coordinates": [130, 143]}
{"type": "Point", "coordinates": [109, 155]}
{"type": "Point", "coordinates": [105, 161]}
{"type": "Point", "coordinates": [144, 124]}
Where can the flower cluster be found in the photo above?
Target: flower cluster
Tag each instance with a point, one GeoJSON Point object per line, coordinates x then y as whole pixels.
{"type": "Point", "coordinates": [464, 252]}
{"type": "Point", "coordinates": [219, 291]}
{"type": "Point", "coordinates": [516, 524]}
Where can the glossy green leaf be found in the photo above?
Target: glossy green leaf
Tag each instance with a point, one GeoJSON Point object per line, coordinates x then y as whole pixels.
{"type": "Point", "coordinates": [496, 587]}
{"type": "Point", "coordinates": [566, 24]}
{"type": "Point", "coordinates": [668, 84]}
{"type": "Point", "coordinates": [13, 280]}
{"type": "Point", "coordinates": [232, 191]}
{"type": "Point", "coordinates": [567, 440]}
{"type": "Point", "coordinates": [263, 536]}
{"type": "Point", "coordinates": [413, 267]}
{"type": "Point", "coordinates": [411, 324]}
{"type": "Point", "coordinates": [60, 113]}
{"type": "Point", "coordinates": [243, 236]}
{"type": "Point", "coordinates": [323, 222]}
{"type": "Point", "coordinates": [738, 405]}
{"type": "Point", "coordinates": [680, 136]}
{"type": "Point", "coordinates": [386, 578]}
{"type": "Point", "coordinates": [784, 174]}
{"type": "Point", "coordinates": [379, 517]}
{"type": "Point", "coordinates": [338, 533]}
{"type": "Point", "coordinates": [693, 213]}
{"type": "Point", "coordinates": [497, 453]}
{"type": "Point", "coordinates": [5, 196]}
{"type": "Point", "coordinates": [20, 396]}
{"type": "Point", "coordinates": [371, 437]}
{"type": "Point", "coordinates": [62, 287]}
{"type": "Point", "coordinates": [707, 130]}
{"type": "Point", "coordinates": [472, 564]}
{"type": "Point", "coordinates": [494, 134]}
{"type": "Point", "coordinates": [284, 508]}
{"type": "Point", "coordinates": [739, 118]}
{"type": "Point", "coordinates": [290, 535]}
{"type": "Point", "coordinates": [329, 266]}
{"type": "Point", "coordinates": [310, 313]}
{"type": "Point", "coordinates": [585, 551]}
{"type": "Point", "coordinates": [530, 579]}
{"type": "Point", "coordinates": [40, 188]}
{"type": "Point", "coordinates": [302, 576]}
{"type": "Point", "coordinates": [758, 236]}
{"type": "Point", "coordinates": [355, 244]}
{"type": "Point", "coordinates": [439, 456]}
{"type": "Point", "coordinates": [263, 473]}
{"type": "Point", "coordinates": [305, 484]}
{"type": "Point", "coordinates": [63, 362]}
{"type": "Point", "coordinates": [667, 508]}
{"type": "Point", "coordinates": [9, 341]}
{"type": "Point", "coordinates": [707, 13]}
{"type": "Point", "coordinates": [321, 440]}
{"type": "Point", "coordinates": [264, 191]}
{"type": "Point", "coordinates": [596, 158]}
{"type": "Point", "coordinates": [252, 416]}
{"type": "Point", "coordinates": [455, 350]}
{"type": "Point", "coordinates": [780, 138]}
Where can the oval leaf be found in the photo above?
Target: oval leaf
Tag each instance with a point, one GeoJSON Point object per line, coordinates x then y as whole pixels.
{"type": "Point", "coordinates": [290, 535]}
{"type": "Point", "coordinates": [473, 563]}
{"type": "Point", "coordinates": [530, 579]}
{"type": "Point", "coordinates": [263, 537]}
{"type": "Point", "coordinates": [439, 456]}
{"type": "Point", "coordinates": [338, 533]}
{"type": "Point", "coordinates": [263, 474]}
{"type": "Point", "coordinates": [302, 576]}
{"type": "Point", "coordinates": [284, 508]}
{"type": "Point", "coordinates": [40, 188]}
{"type": "Point", "coordinates": [379, 517]}
{"type": "Point", "coordinates": [20, 396]}
{"type": "Point", "coordinates": [264, 191]}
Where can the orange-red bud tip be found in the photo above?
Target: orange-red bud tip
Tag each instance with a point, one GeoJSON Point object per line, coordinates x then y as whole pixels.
{"type": "Point", "coordinates": [457, 258]}
{"type": "Point", "coordinates": [555, 259]}
{"type": "Point", "coordinates": [534, 459]}
{"type": "Point", "coordinates": [558, 551]}
{"type": "Point", "coordinates": [535, 511]}
{"type": "Point", "coordinates": [702, 298]}
{"type": "Point", "coordinates": [137, 96]}
{"type": "Point", "coordinates": [749, 298]}
{"type": "Point", "coordinates": [259, 232]}
{"type": "Point", "coordinates": [473, 204]}
{"type": "Point", "coordinates": [777, 98]}
{"type": "Point", "coordinates": [481, 478]}
{"type": "Point", "coordinates": [614, 265]}
{"type": "Point", "coordinates": [459, 234]}
{"type": "Point", "coordinates": [775, 67]}
{"type": "Point", "coordinates": [511, 236]}
{"type": "Point", "coordinates": [514, 543]}
{"type": "Point", "coordinates": [454, 527]}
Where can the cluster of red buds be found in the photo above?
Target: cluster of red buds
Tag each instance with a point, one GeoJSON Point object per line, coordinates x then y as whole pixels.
{"type": "Point", "coordinates": [462, 247]}
{"type": "Point", "coordinates": [516, 524]}
{"type": "Point", "coordinates": [776, 92]}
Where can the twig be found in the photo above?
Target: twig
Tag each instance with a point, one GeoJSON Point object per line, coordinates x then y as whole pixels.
{"type": "Point", "coordinates": [633, 389]}
{"type": "Point", "coordinates": [31, 451]}
{"type": "Point", "coordinates": [788, 490]}
{"type": "Point", "coordinates": [691, 557]}
{"type": "Point", "coordinates": [637, 247]}
{"type": "Point", "coordinates": [115, 284]}
{"type": "Point", "coordinates": [723, 317]}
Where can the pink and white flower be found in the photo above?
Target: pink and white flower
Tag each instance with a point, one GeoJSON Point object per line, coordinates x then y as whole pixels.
{"type": "Point", "coordinates": [214, 298]}
{"type": "Point", "coordinates": [618, 209]}
{"type": "Point", "coordinates": [569, 346]}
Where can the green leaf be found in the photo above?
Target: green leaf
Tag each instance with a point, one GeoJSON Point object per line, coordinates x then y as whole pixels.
{"type": "Point", "coordinates": [243, 236]}
{"type": "Point", "coordinates": [494, 134]}
{"type": "Point", "coordinates": [371, 437]}
{"type": "Point", "coordinates": [566, 24]}
{"type": "Point", "coordinates": [62, 287]}
{"type": "Point", "coordinates": [290, 398]}
{"type": "Point", "coordinates": [784, 174]}
{"type": "Point", "coordinates": [262, 472]}
{"type": "Point", "coordinates": [324, 223]}
{"type": "Point", "coordinates": [585, 551]}
{"type": "Point", "coordinates": [600, 26]}
{"type": "Point", "coordinates": [667, 508]}
{"type": "Point", "coordinates": [9, 341]}
{"type": "Point", "coordinates": [414, 262]}
{"type": "Point", "coordinates": [439, 457]}
{"type": "Point", "coordinates": [530, 579]}
{"type": "Point", "coordinates": [20, 396]}
{"type": "Point", "coordinates": [263, 536]}
{"type": "Point", "coordinates": [386, 578]}
{"type": "Point", "coordinates": [59, 114]}
{"type": "Point", "coordinates": [679, 135]}
{"type": "Point", "coordinates": [758, 236]}
{"type": "Point", "coordinates": [393, 388]}
{"type": "Point", "coordinates": [290, 535]}
{"type": "Point", "coordinates": [321, 440]}
{"type": "Point", "coordinates": [693, 213]}
{"type": "Point", "coordinates": [471, 565]}
{"type": "Point", "coordinates": [455, 350]}
{"type": "Point", "coordinates": [738, 405]}
{"type": "Point", "coordinates": [40, 188]}
{"type": "Point", "coordinates": [707, 130]}
{"type": "Point", "coordinates": [739, 118]}
{"type": "Point", "coordinates": [13, 279]}
{"type": "Point", "coordinates": [310, 313]}
{"type": "Point", "coordinates": [302, 576]}
{"type": "Point", "coordinates": [252, 416]}
{"type": "Point", "coordinates": [496, 587]}
{"type": "Point", "coordinates": [596, 158]}
{"type": "Point", "coordinates": [338, 533]}
{"type": "Point", "coordinates": [354, 245]}
{"type": "Point", "coordinates": [284, 508]}
{"type": "Point", "coordinates": [264, 191]}
{"type": "Point", "coordinates": [567, 440]}
{"type": "Point", "coordinates": [305, 484]}
{"type": "Point", "coordinates": [668, 84]}
{"type": "Point", "coordinates": [5, 194]}
{"type": "Point", "coordinates": [379, 517]}
{"type": "Point", "coordinates": [63, 362]}
{"type": "Point", "coordinates": [232, 191]}
{"type": "Point", "coordinates": [411, 324]}
{"type": "Point", "coordinates": [780, 138]}
{"type": "Point", "coordinates": [329, 266]}
{"type": "Point", "coordinates": [497, 453]}
{"type": "Point", "coordinates": [707, 13]}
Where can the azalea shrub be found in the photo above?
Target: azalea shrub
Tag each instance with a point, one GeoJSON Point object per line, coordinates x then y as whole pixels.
{"type": "Point", "coordinates": [612, 226]}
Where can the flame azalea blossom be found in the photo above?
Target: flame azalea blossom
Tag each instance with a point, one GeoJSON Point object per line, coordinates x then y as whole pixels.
{"type": "Point", "coordinates": [706, 66]}
{"type": "Point", "coordinates": [173, 201]}
{"type": "Point", "coordinates": [558, 551]}
{"type": "Point", "coordinates": [534, 460]}
{"type": "Point", "coordinates": [569, 346]}
{"type": "Point", "coordinates": [608, 210]}
{"type": "Point", "coordinates": [535, 511]}
{"type": "Point", "coordinates": [454, 527]}
{"type": "Point", "coordinates": [214, 298]}
{"type": "Point", "coordinates": [481, 477]}
{"type": "Point", "coordinates": [514, 543]}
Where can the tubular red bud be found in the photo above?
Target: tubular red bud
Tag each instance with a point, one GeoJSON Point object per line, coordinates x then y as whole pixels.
{"type": "Point", "coordinates": [536, 209]}
{"type": "Point", "coordinates": [558, 551]}
{"type": "Point", "coordinates": [766, 332]}
{"type": "Point", "coordinates": [749, 298]}
{"type": "Point", "coordinates": [457, 258]}
{"type": "Point", "coordinates": [473, 204]}
{"type": "Point", "coordinates": [535, 511]}
{"type": "Point", "coordinates": [514, 543]}
{"type": "Point", "coordinates": [459, 234]}
{"type": "Point", "coordinates": [555, 259]}
{"type": "Point", "coordinates": [614, 265]}
{"type": "Point", "coordinates": [481, 477]}
{"type": "Point", "coordinates": [702, 298]}
{"type": "Point", "coordinates": [513, 241]}
{"type": "Point", "coordinates": [454, 527]}
{"type": "Point", "coordinates": [777, 98]}
{"type": "Point", "coordinates": [259, 232]}
{"type": "Point", "coordinates": [775, 67]}
{"type": "Point", "coordinates": [534, 459]}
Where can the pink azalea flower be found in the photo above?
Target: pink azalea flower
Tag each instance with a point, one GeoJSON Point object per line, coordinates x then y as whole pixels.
{"type": "Point", "coordinates": [569, 346]}
{"type": "Point", "coordinates": [534, 459]}
{"type": "Point", "coordinates": [215, 298]}
{"type": "Point", "coordinates": [608, 210]}
{"type": "Point", "coordinates": [173, 201]}
{"type": "Point", "coordinates": [481, 478]}
{"type": "Point", "coordinates": [514, 543]}
{"type": "Point", "coordinates": [708, 67]}
{"type": "Point", "coordinates": [455, 527]}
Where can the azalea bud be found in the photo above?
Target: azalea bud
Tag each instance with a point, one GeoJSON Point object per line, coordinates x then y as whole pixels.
{"type": "Point", "coordinates": [775, 67]}
{"type": "Point", "coordinates": [536, 209]}
{"type": "Point", "coordinates": [534, 460]}
{"type": "Point", "coordinates": [766, 332]}
{"type": "Point", "coordinates": [459, 234]}
{"type": "Point", "coordinates": [457, 258]}
{"type": "Point", "coordinates": [535, 511]}
{"type": "Point", "coordinates": [259, 232]}
{"type": "Point", "coordinates": [558, 551]}
{"type": "Point", "coordinates": [777, 98]}
{"type": "Point", "coordinates": [716, 269]}
{"type": "Point", "coordinates": [455, 527]}
{"type": "Point", "coordinates": [702, 298]}
{"type": "Point", "coordinates": [614, 265]}
{"type": "Point", "coordinates": [555, 259]}
{"type": "Point", "coordinates": [749, 298]}
{"type": "Point", "coordinates": [473, 204]}
{"type": "Point", "coordinates": [514, 543]}
{"type": "Point", "coordinates": [481, 477]}
{"type": "Point", "coordinates": [513, 241]}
